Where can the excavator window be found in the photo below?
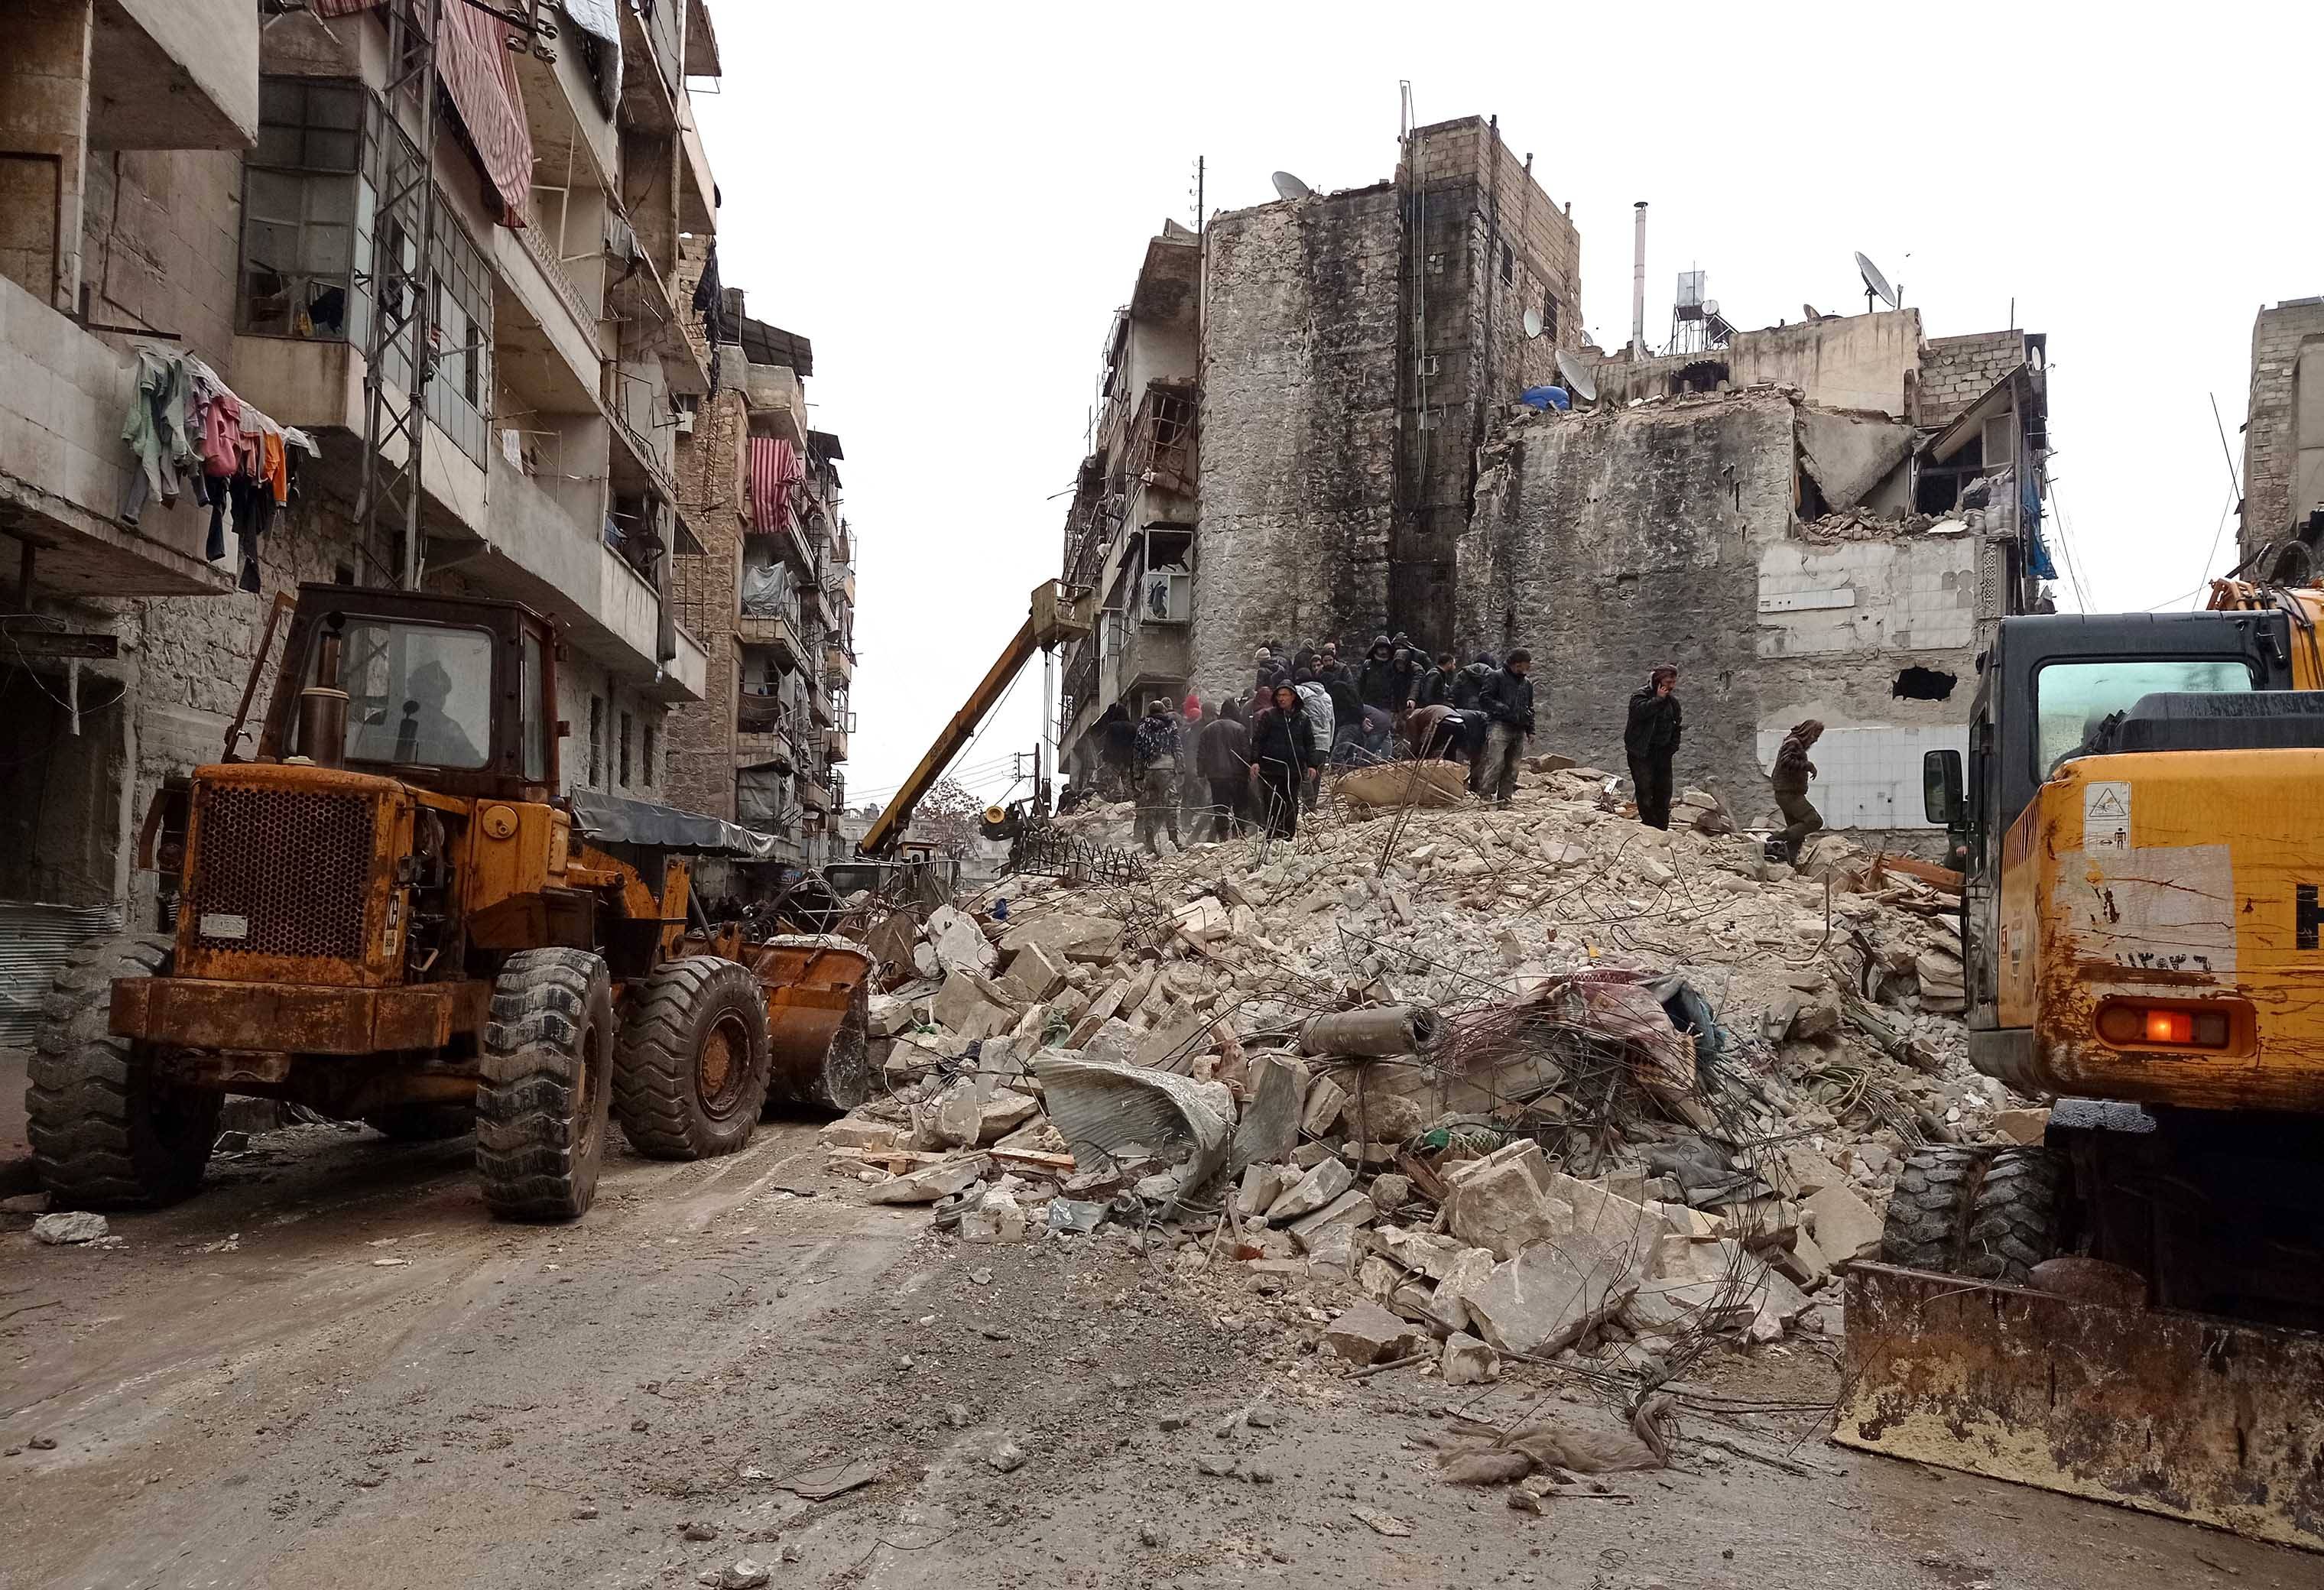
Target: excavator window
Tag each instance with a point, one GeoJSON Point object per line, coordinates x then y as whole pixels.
{"type": "Point", "coordinates": [2073, 699]}
{"type": "Point", "coordinates": [419, 695]}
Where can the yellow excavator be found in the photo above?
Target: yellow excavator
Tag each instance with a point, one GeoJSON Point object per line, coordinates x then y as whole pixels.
{"type": "Point", "coordinates": [2129, 1309]}
{"type": "Point", "coordinates": [1056, 613]}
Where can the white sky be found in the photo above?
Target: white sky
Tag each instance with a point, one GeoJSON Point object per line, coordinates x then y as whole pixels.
{"type": "Point", "coordinates": [952, 201]}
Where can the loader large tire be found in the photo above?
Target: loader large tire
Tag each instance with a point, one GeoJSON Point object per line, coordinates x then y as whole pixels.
{"type": "Point", "coordinates": [107, 1132]}
{"type": "Point", "coordinates": [548, 1063]}
{"type": "Point", "coordinates": [2013, 1218]}
{"type": "Point", "coordinates": [692, 1076]}
{"type": "Point", "coordinates": [1927, 1227]}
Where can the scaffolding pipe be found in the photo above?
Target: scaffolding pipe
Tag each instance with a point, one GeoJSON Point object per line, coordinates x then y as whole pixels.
{"type": "Point", "coordinates": [1638, 289]}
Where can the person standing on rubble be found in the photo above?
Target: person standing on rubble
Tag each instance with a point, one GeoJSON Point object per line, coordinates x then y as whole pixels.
{"type": "Point", "coordinates": [1347, 707]}
{"type": "Point", "coordinates": [1508, 703]}
{"type": "Point", "coordinates": [1156, 756]}
{"type": "Point", "coordinates": [1793, 772]}
{"type": "Point", "coordinates": [1651, 741]}
{"type": "Point", "coordinates": [1282, 760]}
{"type": "Point", "coordinates": [1223, 756]}
{"type": "Point", "coordinates": [1194, 795]}
{"type": "Point", "coordinates": [1316, 703]}
{"type": "Point", "coordinates": [1380, 687]}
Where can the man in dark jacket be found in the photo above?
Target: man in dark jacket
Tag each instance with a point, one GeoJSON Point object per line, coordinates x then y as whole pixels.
{"type": "Point", "coordinates": [1338, 681]}
{"type": "Point", "coordinates": [1380, 685]}
{"type": "Point", "coordinates": [1435, 687]}
{"type": "Point", "coordinates": [1282, 760]}
{"type": "Point", "coordinates": [1156, 756]}
{"type": "Point", "coordinates": [1793, 772]}
{"type": "Point", "coordinates": [1651, 741]}
{"type": "Point", "coordinates": [1223, 756]}
{"type": "Point", "coordinates": [1507, 703]}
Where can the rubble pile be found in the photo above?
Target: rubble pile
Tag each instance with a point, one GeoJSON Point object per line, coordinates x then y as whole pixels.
{"type": "Point", "coordinates": [1541, 1084]}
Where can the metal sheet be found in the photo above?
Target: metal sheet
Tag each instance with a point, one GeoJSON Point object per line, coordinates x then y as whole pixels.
{"type": "Point", "coordinates": [35, 940]}
{"type": "Point", "coordinates": [2206, 1420]}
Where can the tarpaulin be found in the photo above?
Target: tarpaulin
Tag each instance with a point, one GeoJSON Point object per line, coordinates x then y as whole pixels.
{"type": "Point", "coordinates": [477, 65]}
{"type": "Point", "coordinates": [615, 819]}
{"type": "Point", "coordinates": [775, 469]}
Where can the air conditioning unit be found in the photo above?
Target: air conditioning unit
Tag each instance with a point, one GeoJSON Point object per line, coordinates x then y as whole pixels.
{"type": "Point", "coordinates": [1166, 597]}
{"type": "Point", "coordinates": [686, 422]}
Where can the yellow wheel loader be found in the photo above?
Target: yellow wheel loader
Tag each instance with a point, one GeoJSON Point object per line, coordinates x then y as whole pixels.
{"type": "Point", "coordinates": [389, 913]}
{"type": "Point", "coordinates": [2130, 1310]}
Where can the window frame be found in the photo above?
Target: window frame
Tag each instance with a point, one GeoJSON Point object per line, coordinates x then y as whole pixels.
{"type": "Point", "coordinates": [264, 167]}
{"type": "Point", "coordinates": [2045, 769]}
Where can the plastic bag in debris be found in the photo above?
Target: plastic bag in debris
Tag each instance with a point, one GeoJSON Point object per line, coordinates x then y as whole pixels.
{"type": "Point", "coordinates": [1105, 1107]}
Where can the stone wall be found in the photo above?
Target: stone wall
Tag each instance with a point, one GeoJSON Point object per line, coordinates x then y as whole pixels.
{"type": "Point", "coordinates": [1840, 362]}
{"type": "Point", "coordinates": [1608, 542]}
{"type": "Point", "coordinates": [1957, 371]}
{"type": "Point", "coordinates": [1298, 447]}
{"type": "Point", "coordinates": [2283, 434]}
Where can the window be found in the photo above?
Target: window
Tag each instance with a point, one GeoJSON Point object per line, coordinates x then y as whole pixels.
{"type": "Point", "coordinates": [2073, 699]}
{"type": "Point", "coordinates": [596, 742]}
{"type": "Point", "coordinates": [647, 769]}
{"type": "Point", "coordinates": [417, 695]}
{"type": "Point", "coordinates": [625, 750]}
{"type": "Point", "coordinates": [535, 710]}
{"type": "Point", "coordinates": [461, 302]}
{"type": "Point", "coordinates": [1508, 265]}
{"type": "Point", "coordinates": [1549, 316]}
{"type": "Point", "coordinates": [303, 207]}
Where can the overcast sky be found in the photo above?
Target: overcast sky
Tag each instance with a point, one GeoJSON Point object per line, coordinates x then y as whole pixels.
{"type": "Point", "coordinates": [952, 201]}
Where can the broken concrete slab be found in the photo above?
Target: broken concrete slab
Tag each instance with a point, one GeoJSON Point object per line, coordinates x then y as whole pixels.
{"type": "Point", "coordinates": [932, 1182]}
{"type": "Point", "coordinates": [1066, 936]}
{"type": "Point", "coordinates": [1312, 1191]}
{"type": "Point", "coordinates": [1033, 975]}
{"type": "Point", "coordinates": [1554, 1293]}
{"type": "Point", "coordinates": [1844, 1225]}
{"type": "Point", "coordinates": [1003, 1113]}
{"type": "Point", "coordinates": [1325, 1098]}
{"type": "Point", "coordinates": [967, 996]}
{"type": "Point", "coordinates": [960, 944]}
{"type": "Point", "coordinates": [2026, 1126]}
{"type": "Point", "coordinates": [1351, 1210]}
{"type": "Point", "coordinates": [854, 1132]}
{"type": "Point", "coordinates": [1261, 1185]}
{"type": "Point", "coordinates": [1115, 1043]}
{"type": "Point", "coordinates": [885, 1015]}
{"type": "Point", "coordinates": [1275, 1088]}
{"type": "Point", "coordinates": [1369, 1334]}
{"type": "Point", "coordinates": [1499, 1203]}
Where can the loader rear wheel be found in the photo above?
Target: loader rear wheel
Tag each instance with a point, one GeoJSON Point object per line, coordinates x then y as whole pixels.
{"type": "Point", "coordinates": [693, 1071]}
{"type": "Point", "coordinates": [2013, 1219]}
{"type": "Point", "coordinates": [547, 1062]}
{"type": "Point", "coordinates": [1927, 1227]}
{"type": "Point", "coordinates": [107, 1131]}
{"type": "Point", "coordinates": [422, 1123]}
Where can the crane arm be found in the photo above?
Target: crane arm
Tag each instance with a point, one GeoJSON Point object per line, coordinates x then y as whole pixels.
{"type": "Point", "coordinates": [888, 826]}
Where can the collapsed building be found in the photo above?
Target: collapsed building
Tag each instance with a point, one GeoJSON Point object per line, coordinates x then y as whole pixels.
{"type": "Point", "coordinates": [1317, 434]}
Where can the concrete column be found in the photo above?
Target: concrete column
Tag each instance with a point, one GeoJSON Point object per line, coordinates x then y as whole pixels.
{"type": "Point", "coordinates": [44, 66]}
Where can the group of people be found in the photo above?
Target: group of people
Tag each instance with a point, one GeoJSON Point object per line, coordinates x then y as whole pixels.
{"type": "Point", "coordinates": [1257, 761]}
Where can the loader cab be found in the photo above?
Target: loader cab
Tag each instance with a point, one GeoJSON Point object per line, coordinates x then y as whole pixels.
{"type": "Point", "coordinates": [453, 693]}
{"type": "Point", "coordinates": [2048, 685]}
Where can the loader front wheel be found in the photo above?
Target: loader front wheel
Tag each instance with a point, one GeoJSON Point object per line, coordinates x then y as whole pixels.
{"type": "Point", "coordinates": [1927, 1227]}
{"type": "Point", "coordinates": [548, 1063]}
{"type": "Point", "coordinates": [2013, 1219]}
{"type": "Point", "coordinates": [693, 1071]}
{"type": "Point", "coordinates": [108, 1132]}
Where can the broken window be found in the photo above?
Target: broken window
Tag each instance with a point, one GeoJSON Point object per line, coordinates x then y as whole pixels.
{"type": "Point", "coordinates": [1508, 265]}
{"type": "Point", "coordinates": [1704, 375]}
{"type": "Point", "coordinates": [1918, 683]}
{"type": "Point", "coordinates": [1162, 438]}
{"type": "Point", "coordinates": [300, 209]}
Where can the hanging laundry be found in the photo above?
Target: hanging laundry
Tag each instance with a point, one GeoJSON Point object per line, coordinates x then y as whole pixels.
{"type": "Point", "coordinates": [155, 429]}
{"type": "Point", "coordinates": [775, 469]}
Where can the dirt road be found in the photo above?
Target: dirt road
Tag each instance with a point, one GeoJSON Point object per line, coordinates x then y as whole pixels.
{"type": "Point", "coordinates": [331, 1368]}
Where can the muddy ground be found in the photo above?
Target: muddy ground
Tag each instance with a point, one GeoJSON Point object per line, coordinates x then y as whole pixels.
{"type": "Point", "coordinates": [331, 1368]}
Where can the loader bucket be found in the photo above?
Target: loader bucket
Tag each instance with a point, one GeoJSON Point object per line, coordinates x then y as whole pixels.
{"type": "Point", "coordinates": [816, 995]}
{"type": "Point", "coordinates": [2217, 1422]}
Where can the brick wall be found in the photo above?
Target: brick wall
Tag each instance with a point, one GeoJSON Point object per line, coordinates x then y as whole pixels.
{"type": "Point", "coordinates": [2272, 431]}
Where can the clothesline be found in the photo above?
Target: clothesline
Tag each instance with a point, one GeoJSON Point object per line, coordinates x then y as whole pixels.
{"type": "Point", "coordinates": [185, 421]}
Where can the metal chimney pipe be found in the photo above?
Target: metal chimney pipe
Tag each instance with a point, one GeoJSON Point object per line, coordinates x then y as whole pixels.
{"type": "Point", "coordinates": [1638, 290]}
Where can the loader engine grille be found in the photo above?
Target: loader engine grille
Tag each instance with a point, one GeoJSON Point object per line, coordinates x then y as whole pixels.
{"type": "Point", "coordinates": [283, 871]}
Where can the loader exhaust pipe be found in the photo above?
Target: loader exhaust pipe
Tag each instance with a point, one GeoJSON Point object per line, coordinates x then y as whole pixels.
{"type": "Point", "coordinates": [323, 709]}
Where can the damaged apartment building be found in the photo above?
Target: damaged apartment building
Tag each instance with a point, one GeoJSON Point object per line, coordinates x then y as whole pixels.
{"type": "Point", "coordinates": [208, 186]}
{"type": "Point", "coordinates": [2281, 534]}
{"type": "Point", "coordinates": [771, 591]}
{"type": "Point", "coordinates": [1817, 519]}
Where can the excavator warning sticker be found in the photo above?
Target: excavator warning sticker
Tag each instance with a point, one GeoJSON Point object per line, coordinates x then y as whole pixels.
{"type": "Point", "coordinates": [2106, 816]}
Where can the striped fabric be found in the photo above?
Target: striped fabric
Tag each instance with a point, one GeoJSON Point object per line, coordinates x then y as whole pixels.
{"type": "Point", "coordinates": [775, 469]}
{"type": "Point", "coordinates": [473, 59]}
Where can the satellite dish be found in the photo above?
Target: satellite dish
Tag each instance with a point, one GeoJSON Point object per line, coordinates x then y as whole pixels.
{"type": "Point", "coordinates": [1578, 378]}
{"type": "Point", "coordinates": [1809, 311]}
{"type": "Point", "coordinates": [1287, 186]}
{"type": "Point", "coordinates": [1875, 286]}
{"type": "Point", "coordinates": [1533, 323]}
{"type": "Point", "coordinates": [1710, 308]}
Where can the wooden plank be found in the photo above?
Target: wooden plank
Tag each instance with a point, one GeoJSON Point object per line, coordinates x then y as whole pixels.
{"type": "Point", "coordinates": [1928, 872]}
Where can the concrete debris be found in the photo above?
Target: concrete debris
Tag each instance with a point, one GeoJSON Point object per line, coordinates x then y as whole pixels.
{"type": "Point", "coordinates": [70, 1230]}
{"type": "Point", "coordinates": [1447, 1092]}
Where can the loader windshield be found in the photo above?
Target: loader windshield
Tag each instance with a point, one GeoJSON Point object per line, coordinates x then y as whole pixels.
{"type": "Point", "coordinates": [2075, 697]}
{"type": "Point", "coordinates": [417, 695]}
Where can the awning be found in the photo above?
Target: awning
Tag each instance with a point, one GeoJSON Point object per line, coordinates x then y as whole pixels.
{"type": "Point", "coordinates": [616, 820]}
{"type": "Point", "coordinates": [472, 58]}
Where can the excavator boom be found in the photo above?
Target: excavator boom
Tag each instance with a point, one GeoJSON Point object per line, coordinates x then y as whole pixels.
{"type": "Point", "coordinates": [1055, 614]}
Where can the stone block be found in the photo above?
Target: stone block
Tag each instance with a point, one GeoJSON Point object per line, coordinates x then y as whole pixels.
{"type": "Point", "coordinates": [1311, 1192]}
{"type": "Point", "coordinates": [855, 1132]}
{"type": "Point", "coordinates": [1262, 1182]}
{"type": "Point", "coordinates": [1066, 936]}
{"type": "Point", "coordinates": [1844, 1225]}
{"type": "Point", "coordinates": [1497, 1203]}
{"type": "Point", "coordinates": [1369, 1334]}
{"type": "Point", "coordinates": [1469, 1362]}
{"type": "Point", "coordinates": [1325, 1100]}
{"type": "Point", "coordinates": [960, 944]}
{"type": "Point", "coordinates": [1032, 975]}
{"type": "Point", "coordinates": [967, 995]}
{"type": "Point", "coordinates": [1349, 1211]}
{"type": "Point", "coordinates": [2026, 1126]}
{"type": "Point", "coordinates": [885, 1015]}
{"type": "Point", "coordinates": [1554, 1293]}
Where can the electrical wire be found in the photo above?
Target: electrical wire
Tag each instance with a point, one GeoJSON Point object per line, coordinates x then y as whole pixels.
{"type": "Point", "coordinates": [2066, 550]}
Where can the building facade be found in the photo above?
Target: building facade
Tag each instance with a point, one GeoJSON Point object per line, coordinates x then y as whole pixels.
{"type": "Point", "coordinates": [220, 170]}
{"type": "Point", "coordinates": [2281, 533]}
{"type": "Point", "coordinates": [1816, 520]}
{"type": "Point", "coordinates": [771, 591]}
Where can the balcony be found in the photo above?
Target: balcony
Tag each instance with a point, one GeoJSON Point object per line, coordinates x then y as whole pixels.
{"type": "Point", "coordinates": [63, 466]}
{"type": "Point", "coordinates": [174, 74]}
{"type": "Point", "coordinates": [653, 50]}
{"type": "Point", "coordinates": [834, 744]}
{"type": "Point", "coordinates": [778, 401]}
{"type": "Point", "coordinates": [838, 666]}
{"type": "Point", "coordinates": [779, 630]}
{"type": "Point", "coordinates": [813, 794]}
{"type": "Point", "coordinates": [1146, 659]}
